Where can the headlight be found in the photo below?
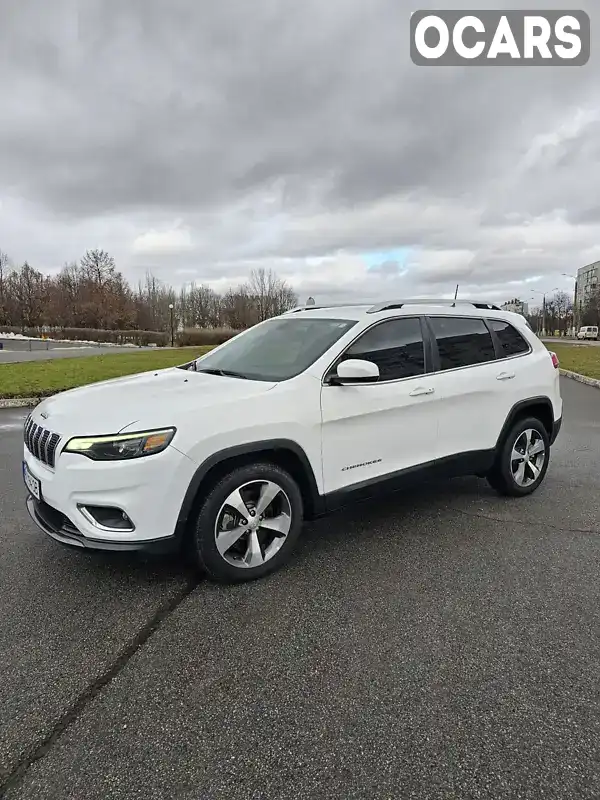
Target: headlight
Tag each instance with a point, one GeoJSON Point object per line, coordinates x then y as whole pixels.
{"type": "Point", "coordinates": [122, 446]}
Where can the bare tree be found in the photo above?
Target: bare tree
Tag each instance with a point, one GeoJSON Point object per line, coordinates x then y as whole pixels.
{"type": "Point", "coordinates": [92, 294]}
{"type": "Point", "coordinates": [534, 318]}
{"type": "Point", "coordinates": [26, 286]}
{"type": "Point", "coordinates": [284, 300]}
{"type": "Point", "coordinates": [4, 270]}
{"type": "Point", "coordinates": [271, 294]}
{"type": "Point", "coordinates": [98, 267]}
{"type": "Point", "coordinates": [200, 307]}
{"type": "Point", "coordinates": [563, 308]}
{"type": "Point", "coordinates": [591, 310]}
{"type": "Point", "coordinates": [238, 309]}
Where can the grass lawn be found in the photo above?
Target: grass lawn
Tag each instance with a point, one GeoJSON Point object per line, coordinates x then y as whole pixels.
{"type": "Point", "coordinates": [584, 359]}
{"type": "Point", "coordinates": [42, 378]}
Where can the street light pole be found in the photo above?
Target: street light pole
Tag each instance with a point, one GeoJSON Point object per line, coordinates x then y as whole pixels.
{"type": "Point", "coordinates": [575, 314]}
{"type": "Point", "coordinates": [537, 291]}
{"type": "Point", "coordinates": [172, 328]}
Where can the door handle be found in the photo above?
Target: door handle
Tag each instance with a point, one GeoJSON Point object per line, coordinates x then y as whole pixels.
{"type": "Point", "coordinates": [505, 376]}
{"type": "Point", "coordinates": [421, 390]}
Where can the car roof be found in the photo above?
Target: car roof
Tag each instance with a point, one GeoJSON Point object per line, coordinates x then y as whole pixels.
{"type": "Point", "coordinates": [410, 307]}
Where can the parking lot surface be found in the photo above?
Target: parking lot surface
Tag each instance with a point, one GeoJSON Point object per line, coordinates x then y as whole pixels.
{"type": "Point", "coordinates": [442, 644]}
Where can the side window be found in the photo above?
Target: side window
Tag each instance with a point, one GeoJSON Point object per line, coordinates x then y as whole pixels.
{"type": "Point", "coordinates": [511, 341]}
{"type": "Point", "coordinates": [395, 346]}
{"type": "Point", "coordinates": [462, 341]}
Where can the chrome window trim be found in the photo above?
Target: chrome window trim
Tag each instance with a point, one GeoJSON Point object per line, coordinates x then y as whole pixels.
{"type": "Point", "coordinates": [423, 318]}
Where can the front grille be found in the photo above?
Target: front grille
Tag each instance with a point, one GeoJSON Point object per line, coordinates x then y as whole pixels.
{"type": "Point", "coordinates": [41, 442]}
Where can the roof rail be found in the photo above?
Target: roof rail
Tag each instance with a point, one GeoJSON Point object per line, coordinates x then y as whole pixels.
{"type": "Point", "coordinates": [428, 301]}
{"type": "Point", "coordinates": [328, 305]}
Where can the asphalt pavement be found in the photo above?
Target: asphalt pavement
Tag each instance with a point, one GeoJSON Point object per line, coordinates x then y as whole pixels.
{"type": "Point", "coordinates": [442, 644]}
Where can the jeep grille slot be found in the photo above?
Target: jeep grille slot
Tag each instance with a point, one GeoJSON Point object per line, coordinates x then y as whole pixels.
{"type": "Point", "coordinates": [40, 442]}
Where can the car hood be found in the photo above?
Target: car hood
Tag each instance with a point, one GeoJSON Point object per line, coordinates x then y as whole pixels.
{"type": "Point", "coordinates": [147, 400]}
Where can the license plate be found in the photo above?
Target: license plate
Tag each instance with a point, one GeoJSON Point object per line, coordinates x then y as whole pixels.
{"type": "Point", "coordinates": [32, 483]}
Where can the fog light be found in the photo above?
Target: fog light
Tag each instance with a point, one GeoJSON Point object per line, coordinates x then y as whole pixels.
{"type": "Point", "coordinates": [108, 518]}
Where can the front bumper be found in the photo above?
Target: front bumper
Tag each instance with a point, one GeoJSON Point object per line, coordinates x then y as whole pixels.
{"type": "Point", "coordinates": [149, 490]}
{"type": "Point", "coordinates": [60, 528]}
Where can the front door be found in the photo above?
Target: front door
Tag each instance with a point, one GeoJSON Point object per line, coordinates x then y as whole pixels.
{"type": "Point", "coordinates": [374, 430]}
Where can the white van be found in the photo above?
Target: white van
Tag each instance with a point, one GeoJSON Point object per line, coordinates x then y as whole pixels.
{"type": "Point", "coordinates": [588, 332]}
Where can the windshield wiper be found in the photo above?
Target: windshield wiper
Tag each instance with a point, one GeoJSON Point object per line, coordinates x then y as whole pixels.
{"type": "Point", "coordinates": [225, 373]}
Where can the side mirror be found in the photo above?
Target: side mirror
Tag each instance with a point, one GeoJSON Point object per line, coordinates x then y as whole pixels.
{"type": "Point", "coordinates": [356, 370]}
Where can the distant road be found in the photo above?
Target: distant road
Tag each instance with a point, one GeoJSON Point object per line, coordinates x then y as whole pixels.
{"type": "Point", "coordinates": [17, 350]}
{"type": "Point", "coordinates": [41, 344]}
{"type": "Point", "coordinates": [566, 340]}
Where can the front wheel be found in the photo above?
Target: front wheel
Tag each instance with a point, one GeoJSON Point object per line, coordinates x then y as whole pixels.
{"type": "Point", "coordinates": [522, 462]}
{"type": "Point", "coordinates": [248, 524]}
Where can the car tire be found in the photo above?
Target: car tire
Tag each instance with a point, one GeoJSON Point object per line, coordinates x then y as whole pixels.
{"type": "Point", "coordinates": [215, 544]}
{"type": "Point", "coordinates": [521, 476]}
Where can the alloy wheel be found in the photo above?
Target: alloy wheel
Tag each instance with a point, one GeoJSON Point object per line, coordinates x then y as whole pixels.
{"type": "Point", "coordinates": [527, 457]}
{"type": "Point", "coordinates": [253, 524]}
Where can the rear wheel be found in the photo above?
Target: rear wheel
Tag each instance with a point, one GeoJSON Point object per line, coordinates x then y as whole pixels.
{"type": "Point", "coordinates": [248, 524]}
{"type": "Point", "coordinates": [523, 459]}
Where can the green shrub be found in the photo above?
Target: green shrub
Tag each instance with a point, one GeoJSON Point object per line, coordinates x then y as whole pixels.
{"type": "Point", "coordinates": [197, 337]}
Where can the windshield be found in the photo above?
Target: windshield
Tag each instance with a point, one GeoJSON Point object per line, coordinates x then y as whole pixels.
{"type": "Point", "coordinates": [275, 350]}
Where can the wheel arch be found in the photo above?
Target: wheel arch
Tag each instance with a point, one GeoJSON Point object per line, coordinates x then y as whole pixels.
{"type": "Point", "coordinates": [284, 453]}
{"type": "Point", "coordinates": [539, 407]}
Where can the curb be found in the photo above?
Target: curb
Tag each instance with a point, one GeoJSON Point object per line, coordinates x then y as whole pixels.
{"type": "Point", "coordinates": [580, 378]}
{"type": "Point", "coordinates": [20, 402]}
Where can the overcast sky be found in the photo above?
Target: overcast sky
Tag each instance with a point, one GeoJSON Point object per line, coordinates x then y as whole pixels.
{"type": "Point", "coordinates": [201, 139]}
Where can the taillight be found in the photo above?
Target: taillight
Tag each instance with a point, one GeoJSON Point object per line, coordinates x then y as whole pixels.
{"type": "Point", "coordinates": [555, 361]}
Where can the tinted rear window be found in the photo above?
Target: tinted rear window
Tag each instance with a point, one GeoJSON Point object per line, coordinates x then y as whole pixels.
{"type": "Point", "coordinates": [510, 340]}
{"type": "Point", "coordinates": [462, 341]}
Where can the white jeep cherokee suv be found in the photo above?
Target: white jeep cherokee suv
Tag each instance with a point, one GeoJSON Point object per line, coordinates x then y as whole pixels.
{"type": "Point", "coordinates": [292, 418]}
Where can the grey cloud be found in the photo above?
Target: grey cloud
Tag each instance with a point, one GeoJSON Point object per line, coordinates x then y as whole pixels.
{"type": "Point", "coordinates": [388, 268]}
{"type": "Point", "coordinates": [189, 106]}
{"type": "Point", "coordinates": [587, 214]}
{"type": "Point", "coordinates": [143, 112]}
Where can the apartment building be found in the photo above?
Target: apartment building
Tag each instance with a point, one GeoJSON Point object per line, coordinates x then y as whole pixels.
{"type": "Point", "coordinates": [587, 283]}
{"type": "Point", "coordinates": [516, 306]}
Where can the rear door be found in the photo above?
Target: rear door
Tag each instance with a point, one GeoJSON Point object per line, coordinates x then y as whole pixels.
{"type": "Point", "coordinates": [519, 376]}
{"type": "Point", "coordinates": [472, 405]}
{"type": "Point", "coordinates": [373, 430]}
